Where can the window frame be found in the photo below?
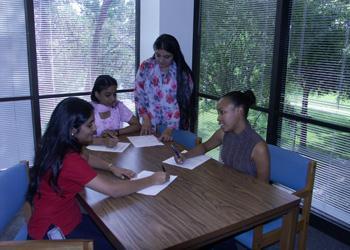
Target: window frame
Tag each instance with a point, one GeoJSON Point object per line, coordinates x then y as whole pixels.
{"type": "Point", "coordinates": [33, 71]}
{"type": "Point", "coordinates": [278, 75]}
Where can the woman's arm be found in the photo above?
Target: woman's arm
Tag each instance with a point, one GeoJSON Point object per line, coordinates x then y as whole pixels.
{"type": "Point", "coordinates": [110, 141]}
{"type": "Point", "coordinates": [214, 141]}
{"type": "Point", "coordinates": [134, 126]}
{"type": "Point", "coordinates": [261, 158]}
{"type": "Point", "coordinates": [97, 162]}
{"type": "Point", "coordinates": [115, 188]}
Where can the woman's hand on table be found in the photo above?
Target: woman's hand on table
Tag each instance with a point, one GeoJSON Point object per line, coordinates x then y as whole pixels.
{"type": "Point", "coordinates": [166, 136]}
{"type": "Point", "coordinates": [146, 128]}
{"type": "Point", "coordinates": [122, 173]}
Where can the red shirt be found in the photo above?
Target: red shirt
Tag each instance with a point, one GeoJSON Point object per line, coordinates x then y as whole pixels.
{"type": "Point", "coordinates": [62, 209]}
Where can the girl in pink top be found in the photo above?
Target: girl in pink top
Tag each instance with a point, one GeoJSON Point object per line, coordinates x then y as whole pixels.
{"type": "Point", "coordinates": [109, 112]}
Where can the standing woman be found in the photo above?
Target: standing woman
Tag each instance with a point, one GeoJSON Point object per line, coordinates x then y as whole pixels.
{"type": "Point", "coordinates": [164, 89]}
{"type": "Point", "coordinates": [61, 171]}
{"type": "Point", "coordinates": [110, 113]}
{"type": "Point", "coordinates": [242, 148]}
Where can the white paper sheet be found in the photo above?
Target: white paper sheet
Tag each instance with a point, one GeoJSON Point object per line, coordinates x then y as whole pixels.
{"type": "Point", "coordinates": [144, 141]}
{"type": "Point", "coordinates": [155, 189]}
{"type": "Point", "coordinates": [120, 147]}
{"type": "Point", "coordinates": [190, 163]}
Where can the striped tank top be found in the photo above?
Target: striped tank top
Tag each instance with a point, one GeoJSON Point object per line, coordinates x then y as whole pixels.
{"type": "Point", "coordinates": [236, 150]}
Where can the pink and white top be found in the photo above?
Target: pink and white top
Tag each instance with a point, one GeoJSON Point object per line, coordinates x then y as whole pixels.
{"type": "Point", "coordinates": [119, 114]}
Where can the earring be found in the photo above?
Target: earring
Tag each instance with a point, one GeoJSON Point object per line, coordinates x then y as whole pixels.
{"type": "Point", "coordinates": [72, 134]}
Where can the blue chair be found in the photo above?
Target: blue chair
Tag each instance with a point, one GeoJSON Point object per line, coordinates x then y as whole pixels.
{"type": "Point", "coordinates": [14, 182]}
{"type": "Point", "coordinates": [293, 171]}
{"type": "Point", "coordinates": [184, 137]}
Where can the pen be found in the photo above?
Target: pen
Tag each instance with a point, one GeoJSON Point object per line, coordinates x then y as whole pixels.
{"type": "Point", "coordinates": [163, 168]}
{"type": "Point", "coordinates": [175, 150]}
{"type": "Point", "coordinates": [125, 177]}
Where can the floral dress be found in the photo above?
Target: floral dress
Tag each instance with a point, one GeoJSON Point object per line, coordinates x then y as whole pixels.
{"type": "Point", "coordinates": [155, 94]}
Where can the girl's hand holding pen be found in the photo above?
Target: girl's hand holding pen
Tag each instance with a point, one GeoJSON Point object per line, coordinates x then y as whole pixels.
{"type": "Point", "coordinates": [178, 157]}
{"type": "Point", "coordinates": [160, 177]}
{"type": "Point", "coordinates": [109, 134]}
{"type": "Point", "coordinates": [110, 138]}
{"type": "Point", "coordinates": [111, 142]}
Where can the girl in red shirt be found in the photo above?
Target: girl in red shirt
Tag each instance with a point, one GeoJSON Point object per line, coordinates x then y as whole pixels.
{"type": "Point", "coordinates": [61, 171]}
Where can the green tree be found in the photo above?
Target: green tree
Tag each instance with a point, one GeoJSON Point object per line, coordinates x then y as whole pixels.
{"type": "Point", "coordinates": [319, 43]}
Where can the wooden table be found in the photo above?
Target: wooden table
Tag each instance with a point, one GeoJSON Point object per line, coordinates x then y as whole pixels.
{"type": "Point", "coordinates": [201, 206]}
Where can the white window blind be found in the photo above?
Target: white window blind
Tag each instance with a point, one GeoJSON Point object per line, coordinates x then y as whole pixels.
{"type": "Point", "coordinates": [318, 88]}
{"type": "Point", "coordinates": [236, 47]}
{"type": "Point", "coordinates": [78, 40]}
{"type": "Point", "coordinates": [16, 136]}
{"type": "Point", "coordinates": [236, 53]}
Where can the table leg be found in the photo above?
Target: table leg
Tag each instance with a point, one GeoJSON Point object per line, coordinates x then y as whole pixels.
{"type": "Point", "coordinates": [289, 229]}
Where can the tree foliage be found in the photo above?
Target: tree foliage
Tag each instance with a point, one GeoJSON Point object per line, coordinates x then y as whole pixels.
{"type": "Point", "coordinates": [80, 39]}
{"type": "Point", "coordinates": [236, 47]}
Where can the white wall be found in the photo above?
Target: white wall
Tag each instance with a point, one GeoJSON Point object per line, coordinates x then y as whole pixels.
{"type": "Point", "coordinates": [149, 26]}
{"type": "Point", "coordinates": [174, 17]}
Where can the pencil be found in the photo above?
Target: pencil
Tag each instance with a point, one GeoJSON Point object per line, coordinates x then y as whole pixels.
{"type": "Point", "coordinates": [163, 168]}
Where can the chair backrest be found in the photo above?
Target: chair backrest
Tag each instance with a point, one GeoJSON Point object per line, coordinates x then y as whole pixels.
{"type": "Point", "coordinates": [14, 183]}
{"type": "Point", "coordinates": [47, 245]}
{"type": "Point", "coordinates": [184, 137]}
{"type": "Point", "coordinates": [293, 171]}
{"type": "Point", "coordinates": [288, 168]}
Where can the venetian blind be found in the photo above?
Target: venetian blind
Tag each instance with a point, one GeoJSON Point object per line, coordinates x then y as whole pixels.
{"type": "Point", "coordinates": [236, 52]}
{"type": "Point", "coordinates": [16, 136]}
{"type": "Point", "coordinates": [236, 47]}
{"type": "Point", "coordinates": [78, 40]}
{"type": "Point", "coordinates": [318, 88]}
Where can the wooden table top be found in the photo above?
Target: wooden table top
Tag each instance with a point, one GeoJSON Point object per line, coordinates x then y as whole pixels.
{"type": "Point", "coordinates": [201, 206]}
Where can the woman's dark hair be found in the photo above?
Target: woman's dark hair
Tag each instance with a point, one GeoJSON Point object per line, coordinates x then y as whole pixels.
{"type": "Point", "coordinates": [170, 44]}
{"type": "Point", "coordinates": [245, 99]}
{"type": "Point", "coordinates": [57, 141]}
{"type": "Point", "coordinates": [102, 82]}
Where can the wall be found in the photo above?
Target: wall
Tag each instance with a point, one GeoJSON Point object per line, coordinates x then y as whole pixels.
{"type": "Point", "coordinates": [166, 16]}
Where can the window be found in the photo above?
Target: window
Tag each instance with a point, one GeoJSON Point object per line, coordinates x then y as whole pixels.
{"type": "Point", "coordinates": [70, 43]}
{"type": "Point", "coordinates": [236, 52]}
{"type": "Point", "coordinates": [316, 100]}
{"type": "Point", "coordinates": [78, 40]}
{"type": "Point", "coordinates": [16, 137]}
